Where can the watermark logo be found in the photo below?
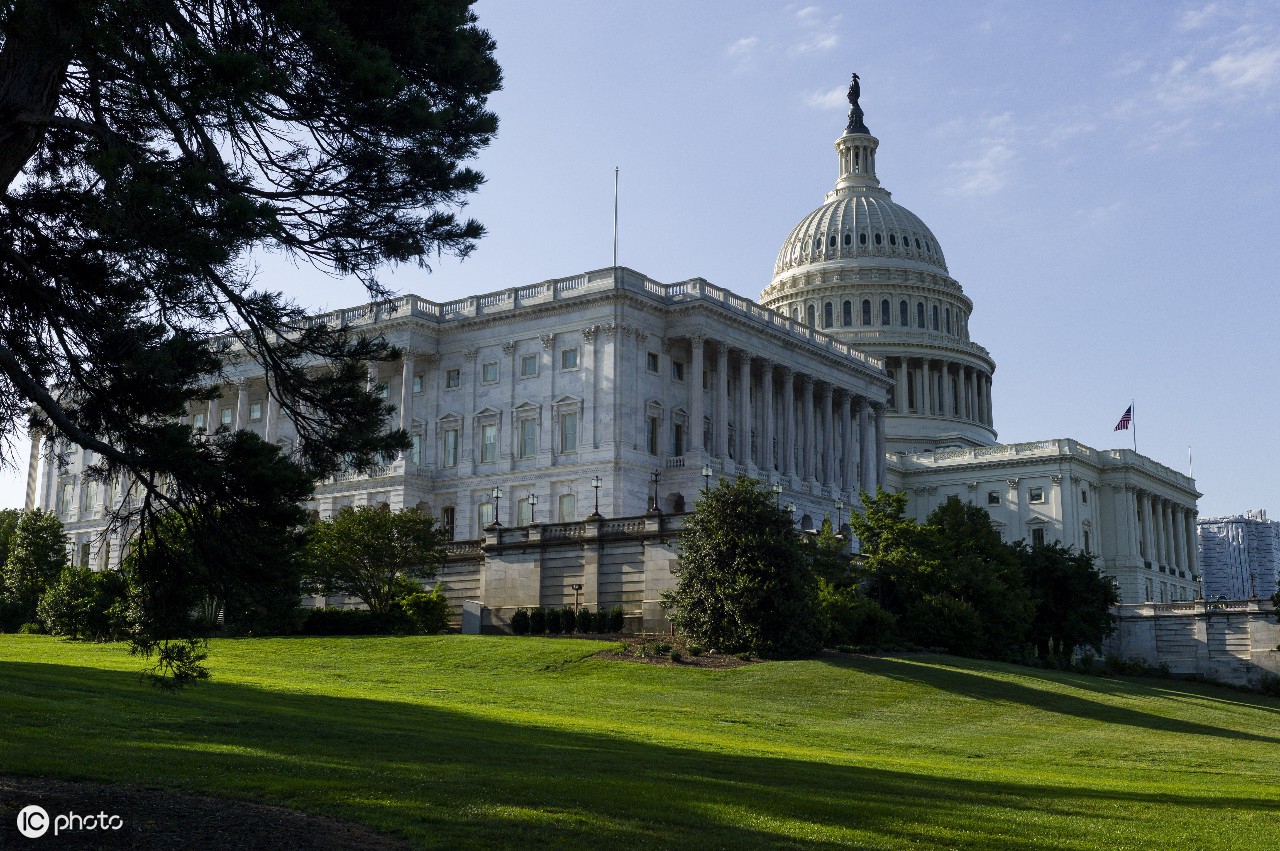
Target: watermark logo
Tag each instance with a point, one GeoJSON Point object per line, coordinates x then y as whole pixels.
{"type": "Point", "coordinates": [34, 822]}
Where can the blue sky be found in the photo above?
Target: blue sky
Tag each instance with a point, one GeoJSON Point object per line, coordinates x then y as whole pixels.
{"type": "Point", "coordinates": [1101, 177]}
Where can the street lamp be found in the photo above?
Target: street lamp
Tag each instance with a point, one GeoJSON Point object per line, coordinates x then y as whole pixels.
{"type": "Point", "coordinates": [577, 596]}
{"type": "Point", "coordinates": [496, 493]}
{"type": "Point", "coordinates": [777, 494]}
{"type": "Point", "coordinates": [533, 507]}
{"type": "Point", "coordinates": [706, 477]}
{"type": "Point", "coordinates": [596, 483]}
{"type": "Point", "coordinates": [656, 479]}
{"type": "Point", "coordinates": [791, 509]}
{"type": "Point", "coordinates": [839, 508]}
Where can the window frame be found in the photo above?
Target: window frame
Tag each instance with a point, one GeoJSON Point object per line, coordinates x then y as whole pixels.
{"type": "Point", "coordinates": [486, 368]}
{"type": "Point", "coordinates": [577, 360]}
{"type": "Point", "coordinates": [526, 360]}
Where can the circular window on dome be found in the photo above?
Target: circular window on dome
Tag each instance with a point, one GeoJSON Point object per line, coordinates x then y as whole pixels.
{"type": "Point", "coordinates": [893, 240]}
{"type": "Point", "coordinates": [831, 241]}
{"type": "Point", "coordinates": [862, 239]}
{"type": "Point", "coordinates": [878, 239]}
{"type": "Point", "coordinates": [848, 238]}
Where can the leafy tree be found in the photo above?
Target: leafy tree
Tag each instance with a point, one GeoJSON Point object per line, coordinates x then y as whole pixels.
{"type": "Point", "coordinates": [744, 579]}
{"type": "Point", "coordinates": [1072, 600]}
{"type": "Point", "coordinates": [37, 553]}
{"type": "Point", "coordinates": [373, 554]}
{"type": "Point", "coordinates": [892, 562]}
{"type": "Point", "coordinates": [429, 611]}
{"type": "Point", "coordinates": [829, 555]}
{"type": "Point", "coordinates": [147, 150]}
{"type": "Point", "coordinates": [9, 518]}
{"type": "Point", "coordinates": [88, 604]}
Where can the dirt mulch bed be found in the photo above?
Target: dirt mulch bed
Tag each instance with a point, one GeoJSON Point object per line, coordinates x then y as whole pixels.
{"type": "Point", "coordinates": [645, 650]}
{"type": "Point", "coordinates": [157, 819]}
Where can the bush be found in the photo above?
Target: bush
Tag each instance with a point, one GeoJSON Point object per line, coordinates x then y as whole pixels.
{"type": "Point", "coordinates": [616, 620]}
{"type": "Point", "coordinates": [677, 656]}
{"type": "Point", "coordinates": [354, 622]}
{"type": "Point", "coordinates": [554, 627]}
{"type": "Point", "coordinates": [694, 649]}
{"type": "Point", "coordinates": [30, 629]}
{"type": "Point", "coordinates": [586, 621]}
{"type": "Point", "coordinates": [600, 622]}
{"type": "Point", "coordinates": [429, 612]}
{"type": "Point", "coordinates": [538, 621]}
{"type": "Point", "coordinates": [852, 618]}
{"type": "Point", "coordinates": [940, 620]}
{"type": "Point", "coordinates": [83, 603]}
{"type": "Point", "coordinates": [568, 621]}
{"type": "Point", "coordinates": [520, 622]}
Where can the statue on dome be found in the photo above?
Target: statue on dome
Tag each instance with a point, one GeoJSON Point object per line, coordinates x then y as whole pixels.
{"type": "Point", "coordinates": [855, 110]}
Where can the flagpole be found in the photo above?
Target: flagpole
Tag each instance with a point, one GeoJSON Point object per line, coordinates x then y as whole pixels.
{"type": "Point", "coordinates": [1134, 420]}
{"type": "Point", "coordinates": [1191, 470]}
{"type": "Point", "coordinates": [615, 217]}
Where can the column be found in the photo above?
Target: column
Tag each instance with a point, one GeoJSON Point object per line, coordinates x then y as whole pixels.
{"type": "Point", "coordinates": [900, 394]}
{"type": "Point", "coordinates": [1129, 505]}
{"type": "Point", "coordinates": [987, 395]}
{"type": "Point", "coordinates": [1193, 541]}
{"type": "Point", "coordinates": [1179, 538]}
{"type": "Point", "coordinates": [969, 412]}
{"type": "Point", "coordinates": [588, 438]}
{"type": "Point", "coordinates": [828, 437]}
{"type": "Point", "coordinates": [212, 423]}
{"type": "Point", "coordinates": [696, 393]}
{"type": "Point", "coordinates": [744, 408]}
{"type": "Point", "coordinates": [242, 405]}
{"type": "Point", "coordinates": [1167, 528]}
{"type": "Point", "coordinates": [949, 390]}
{"type": "Point", "coordinates": [921, 406]}
{"type": "Point", "coordinates": [406, 390]}
{"type": "Point", "coordinates": [806, 460]}
{"type": "Point", "coordinates": [33, 469]}
{"type": "Point", "coordinates": [1148, 536]}
{"type": "Point", "coordinates": [766, 417]}
{"type": "Point", "coordinates": [930, 403]}
{"type": "Point", "coordinates": [881, 480]}
{"type": "Point", "coordinates": [787, 450]}
{"type": "Point", "coordinates": [1157, 528]}
{"type": "Point", "coordinates": [272, 418]}
{"type": "Point", "coordinates": [982, 397]}
{"type": "Point", "coordinates": [846, 443]}
{"type": "Point", "coordinates": [722, 401]}
{"type": "Point", "coordinates": [867, 443]}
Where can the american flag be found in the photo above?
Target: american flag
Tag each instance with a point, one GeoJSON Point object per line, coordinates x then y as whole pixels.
{"type": "Point", "coordinates": [1123, 425]}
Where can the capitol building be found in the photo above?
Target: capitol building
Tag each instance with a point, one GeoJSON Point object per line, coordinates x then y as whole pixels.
{"type": "Point", "coordinates": [562, 428]}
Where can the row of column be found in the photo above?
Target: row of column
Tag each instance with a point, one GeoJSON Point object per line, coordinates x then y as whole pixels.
{"type": "Point", "coordinates": [240, 420]}
{"type": "Point", "coordinates": [943, 388]}
{"type": "Point", "coordinates": [1168, 535]}
{"type": "Point", "coordinates": [821, 404]}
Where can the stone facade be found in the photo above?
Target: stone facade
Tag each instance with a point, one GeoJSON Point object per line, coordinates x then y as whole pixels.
{"type": "Point", "coordinates": [1241, 555]}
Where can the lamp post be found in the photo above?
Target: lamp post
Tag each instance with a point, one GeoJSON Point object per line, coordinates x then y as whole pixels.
{"type": "Point", "coordinates": [777, 494]}
{"type": "Point", "coordinates": [533, 507]}
{"type": "Point", "coordinates": [496, 493]}
{"type": "Point", "coordinates": [656, 479]}
{"type": "Point", "coordinates": [595, 483]}
{"type": "Point", "coordinates": [706, 477]}
{"type": "Point", "coordinates": [791, 510]}
{"type": "Point", "coordinates": [577, 596]}
{"type": "Point", "coordinates": [839, 508]}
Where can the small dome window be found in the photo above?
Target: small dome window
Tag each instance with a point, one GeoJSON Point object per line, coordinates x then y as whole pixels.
{"type": "Point", "coordinates": [862, 239]}
{"type": "Point", "coordinates": [847, 315]}
{"type": "Point", "coordinates": [832, 241]}
{"type": "Point", "coordinates": [893, 240]}
{"type": "Point", "coordinates": [848, 238]}
{"type": "Point", "coordinates": [917, 243]}
{"type": "Point", "coordinates": [878, 239]}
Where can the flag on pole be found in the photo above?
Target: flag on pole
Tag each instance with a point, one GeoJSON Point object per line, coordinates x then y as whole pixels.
{"type": "Point", "coordinates": [1123, 425]}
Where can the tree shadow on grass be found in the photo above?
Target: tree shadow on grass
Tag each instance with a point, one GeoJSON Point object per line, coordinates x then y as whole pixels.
{"type": "Point", "coordinates": [447, 778]}
{"type": "Point", "coordinates": [973, 680]}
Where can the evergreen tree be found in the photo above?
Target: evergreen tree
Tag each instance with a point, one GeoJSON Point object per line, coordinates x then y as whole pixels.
{"type": "Point", "coordinates": [37, 553]}
{"type": "Point", "coordinates": [744, 579]}
{"type": "Point", "coordinates": [1073, 601]}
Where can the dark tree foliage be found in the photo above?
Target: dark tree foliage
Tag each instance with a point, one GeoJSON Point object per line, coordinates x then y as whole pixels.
{"type": "Point", "coordinates": [9, 518]}
{"type": "Point", "coordinates": [744, 579]}
{"type": "Point", "coordinates": [37, 554]}
{"type": "Point", "coordinates": [147, 147]}
{"type": "Point", "coordinates": [88, 604]}
{"type": "Point", "coordinates": [891, 559]}
{"type": "Point", "coordinates": [1072, 599]}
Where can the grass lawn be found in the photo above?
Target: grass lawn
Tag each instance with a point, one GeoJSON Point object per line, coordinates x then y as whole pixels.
{"type": "Point", "coordinates": [495, 742]}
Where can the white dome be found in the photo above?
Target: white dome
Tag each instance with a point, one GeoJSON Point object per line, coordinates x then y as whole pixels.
{"type": "Point", "coordinates": [860, 223]}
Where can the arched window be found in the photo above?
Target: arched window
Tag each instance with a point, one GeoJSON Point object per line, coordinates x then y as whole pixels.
{"type": "Point", "coordinates": [885, 318]}
{"type": "Point", "coordinates": [893, 240]}
{"type": "Point", "coordinates": [866, 311]}
{"type": "Point", "coordinates": [904, 315]}
{"type": "Point", "coordinates": [795, 313]}
{"type": "Point", "coordinates": [848, 238]}
{"type": "Point", "coordinates": [831, 240]}
{"type": "Point", "coordinates": [948, 315]}
{"type": "Point", "coordinates": [935, 317]}
{"type": "Point", "coordinates": [828, 315]}
{"type": "Point", "coordinates": [879, 238]}
{"type": "Point", "coordinates": [919, 314]}
{"type": "Point", "coordinates": [813, 315]}
{"type": "Point", "coordinates": [862, 239]}
{"type": "Point", "coordinates": [848, 312]}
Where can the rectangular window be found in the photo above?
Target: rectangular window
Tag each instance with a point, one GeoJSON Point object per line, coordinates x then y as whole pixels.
{"type": "Point", "coordinates": [227, 415]}
{"type": "Point", "coordinates": [488, 443]}
{"type": "Point", "coordinates": [415, 449]}
{"type": "Point", "coordinates": [567, 509]}
{"type": "Point", "coordinates": [677, 439]}
{"type": "Point", "coordinates": [448, 519]}
{"type": "Point", "coordinates": [528, 438]}
{"type": "Point", "coordinates": [528, 366]}
{"type": "Point", "coordinates": [65, 496]}
{"type": "Point", "coordinates": [88, 496]}
{"type": "Point", "coordinates": [197, 421]}
{"type": "Point", "coordinates": [417, 384]}
{"type": "Point", "coordinates": [452, 378]}
{"type": "Point", "coordinates": [653, 435]}
{"type": "Point", "coordinates": [1084, 496]}
{"type": "Point", "coordinates": [524, 512]}
{"type": "Point", "coordinates": [1037, 537]}
{"type": "Point", "coordinates": [651, 361]}
{"type": "Point", "coordinates": [484, 517]}
{"type": "Point", "coordinates": [1036, 495]}
{"type": "Point", "coordinates": [1086, 541]}
{"type": "Point", "coordinates": [383, 390]}
{"type": "Point", "coordinates": [568, 432]}
{"type": "Point", "coordinates": [706, 380]}
{"type": "Point", "coordinates": [84, 554]}
{"type": "Point", "coordinates": [255, 410]}
{"type": "Point", "coordinates": [993, 497]}
{"type": "Point", "coordinates": [489, 372]}
{"type": "Point", "coordinates": [677, 371]}
{"type": "Point", "coordinates": [451, 447]}
{"type": "Point", "coordinates": [569, 359]}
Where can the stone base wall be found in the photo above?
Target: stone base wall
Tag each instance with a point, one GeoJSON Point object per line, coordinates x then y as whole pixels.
{"type": "Point", "coordinates": [1230, 641]}
{"type": "Point", "coordinates": [625, 562]}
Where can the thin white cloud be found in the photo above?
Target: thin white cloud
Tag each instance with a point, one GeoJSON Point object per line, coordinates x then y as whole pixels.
{"type": "Point", "coordinates": [819, 42]}
{"type": "Point", "coordinates": [986, 174]}
{"type": "Point", "coordinates": [1194, 19]}
{"type": "Point", "coordinates": [835, 99]}
{"type": "Point", "coordinates": [818, 33]}
{"type": "Point", "coordinates": [1251, 71]}
{"type": "Point", "coordinates": [742, 47]}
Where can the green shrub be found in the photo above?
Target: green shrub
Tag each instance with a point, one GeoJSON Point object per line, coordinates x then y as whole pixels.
{"type": "Point", "coordinates": [676, 656]}
{"type": "Point", "coordinates": [30, 629]}
{"type": "Point", "coordinates": [538, 621]}
{"type": "Point", "coordinates": [553, 622]}
{"type": "Point", "coordinates": [852, 618]}
{"type": "Point", "coordinates": [943, 621]}
{"type": "Point", "coordinates": [84, 603]}
{"type": "Point", "coordinates": [586, 621]}
{"type": "Point", "coordinates": [353, 622]}
{"type": "Point", "coordinates": [616, 620]}
{"type": "Point", "coordinates": [429, 612]}
{"type": "Point", "coordinates": [600, 622]}
{"type": "Point", "coordinates": [662, 648]}
{"type": "Point", "coordinates": [568, 621]}
{"type": "Point", "coordinates": [694, 649]}
{"type": "Point", "coordinates": [520, 622]}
